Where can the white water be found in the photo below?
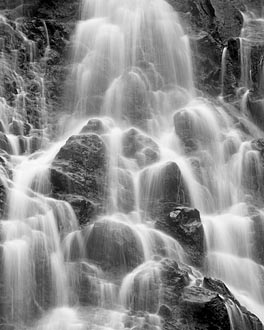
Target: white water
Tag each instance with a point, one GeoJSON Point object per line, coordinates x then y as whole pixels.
{"type": "Point", "coordinates": [132, 66]}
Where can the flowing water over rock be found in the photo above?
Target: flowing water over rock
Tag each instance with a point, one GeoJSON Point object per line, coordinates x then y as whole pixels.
{"type": "Point", "coordinates": [80, 245]}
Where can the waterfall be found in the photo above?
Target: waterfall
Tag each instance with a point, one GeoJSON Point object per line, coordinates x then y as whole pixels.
{"type": "Point", "coordinates": [133, 77]}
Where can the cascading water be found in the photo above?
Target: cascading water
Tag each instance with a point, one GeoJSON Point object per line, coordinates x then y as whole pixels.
{"type": "Point", "coordinates": [132, 66]}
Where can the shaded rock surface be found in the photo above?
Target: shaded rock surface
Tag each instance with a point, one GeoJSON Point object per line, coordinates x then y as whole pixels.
{"type": "Point", "coordinates": [120, 246]}
{"type": "Point", "coordinates": [162, 184]}
{"type": "Point", "coordinates": [201, 306]}
{"type": "Point", "coordinates": [78, 174]}
{"type": "Point", "coordinates": [184, 224]}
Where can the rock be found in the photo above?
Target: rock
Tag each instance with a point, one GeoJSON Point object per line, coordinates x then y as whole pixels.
{"type": "Point", "coordinates": [232, 69]}
{"type": "Point", "coordinates": [205, 309]}
{"type": "Point", "coordinates": [114, 245]}
{"type": "Point", "coordinates": [126, 191]}
{"type": "Point", "coordinates": [184, 224]}
{"type": "Point", "coordinates": [143, 289]}
{"type": "Point", "coordinates": [134, 101]}
{"type": "Point", "coordinates": [258, 232]}
{"type": "Point", "coordinates": [93, 125]}
{"type": "Point", "coordinates": [140, 147]}
{"type": "Point", "coordinates": [252, 171]}
{"type": "Point", "coordinates": [165, 311]}
{"type": "Point", "coordinates": [84, 209]}
{"type": "Point", "coordinates": [4, 143]}
{"type": "Point", "coordinates": [174, 280]}
{"type": "Point", "coordinates": [85, 284]}
{"type": "Point", "coordinates": [256, 109]}
{"type": "Point", "coordinates": [161, 184]}
{"type": "Point", "coordinates": [207, 306]}
{"type": "Point", "coordinates": [16, 127]}
{"type": "Point", "coordinates": [207, 68]}
{"type": "Point", "coordinates": [79, 169]}
{"type": "Point", "coordinates": [3, 198]}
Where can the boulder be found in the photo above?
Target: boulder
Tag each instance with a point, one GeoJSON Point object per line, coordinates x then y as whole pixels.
{"type": "Point", "coordinates": [79, 170]}
{"type": "Point", "coordinates": [161, 184]}
{"type": "Point", "coordinates": [94, 125]}
{"type": "Point", "coordinates": [4, 143]}
{"type": "Point", "coordinates": [184, 224]}
{"type": "Point", "coordinates": [140, 147]}
{"type": "Point", "coordinates": [114, 245]}
{"type": "Point", "coordinates": [207, 305]}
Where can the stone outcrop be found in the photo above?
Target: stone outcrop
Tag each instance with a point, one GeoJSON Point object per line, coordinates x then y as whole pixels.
{"type": "Point", "coordinates": [206, 305]}
{"type": "Point", "coordinates": [160, 185]}
{"type": "Point", "coordinates": [184, 224]}
{"type": "Point", "coordinates": [78, 175]}
{"type": "Point", "coordinates": [138, 146]}
{"type": "Point", "coordinates": [120, 248]}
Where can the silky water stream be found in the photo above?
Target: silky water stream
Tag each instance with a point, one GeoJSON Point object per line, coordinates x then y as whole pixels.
{"type": "Point", "coordinates": [133, 72]}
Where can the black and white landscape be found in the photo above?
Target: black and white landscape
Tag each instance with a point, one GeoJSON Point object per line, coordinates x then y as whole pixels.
{"type": "Point", "coordinates": [131, 165]}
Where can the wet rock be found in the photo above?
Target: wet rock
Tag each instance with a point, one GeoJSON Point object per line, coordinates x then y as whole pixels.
{"type": "Point", "coordinates": [79, 169]}
{"type": "Point", "coordinates": [207, 306]}
{"type": "Point", "coordinates": [126, 191]}
{"type": "Point", "coordinates": [161, 184]}
{"type": "Point", "coordinates": [258, 244]}
{"type": "Point", "coordinates": [256, 110]}
{"type": "Point", "coordinates": [207, 68]}
{"type": "Point", "coordinates": [114, 245]}
{"type": "Point", "coordinates": [174, 280]}
{"type": "Point", "coordinates": [140, 147]}
{"type": "Point", "coordinates": [134, 99]}
{"type": "Point", "coordinates": [252, 169]}
{"type": "Point", "coordinates": [3, 198]}
{"type": "Point", "coordinates": [4, 143]}
{"type": "Point", "coordinates": [16, 127]}
{"type": "Point", "coordinates": [232, 69]}
{"type": "Point", "coordinates": [184, 224]}
{"type": "Point", "coordinates": [84, 209]}
{"type": "Point", "coordinates": [165, 311]}
{"type": "Point", "coordinates": [210, 24]}
{"type": "Point", "coordinates": [93, 125]}
{"type": "Point", "coordinates": [84, 283]}
{"type": "Point", "coordinates": [145, 289]}
{"type": "Point", "coordinates": [204, 308]}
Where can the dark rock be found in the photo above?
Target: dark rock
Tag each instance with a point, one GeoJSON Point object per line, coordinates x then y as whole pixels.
{"type": "Point", "coordinates": [210, 306]}
{"type": "Point", "coordinates": [256, 110]}
{"type": "Point", "coordinates": [140, 147]}
{"type": "Point", "coordinates": [184, 224]}
{"type": "Point", "coordinates": [2, 127]}
{"type": "Point", "coordinates": [162, 184]}
{"type": "Point", "coordinates": [3, 198]}
{"type": "Point", "coordinates": [232, 69]}
{"type": "Point", "coordinates": [22, 144]}
{"type": "Point", "coordinates": [4, 143]}
{"type": "Point", "coordinates": [204, 309]}
{"type": "Point", "coordinates": [84, 209]}
{"type": "Point", "coordinates": [114, 245]}
{"type": "Point", "coordinates": [165, 311]}
{"type": "Point", "coordinates": [174, 280]}
{"type": "Point", "coordinates": [79, 169]}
